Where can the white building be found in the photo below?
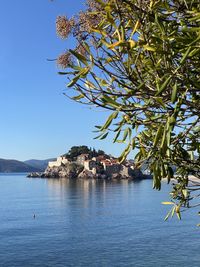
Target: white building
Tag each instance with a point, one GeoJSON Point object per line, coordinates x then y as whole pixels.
{"type": "Point", "coordinates": [82, 158]}
{"type": "Point", "coordinates": [90, 165]}
{"type": "Point", "coordinates": [60, 160]}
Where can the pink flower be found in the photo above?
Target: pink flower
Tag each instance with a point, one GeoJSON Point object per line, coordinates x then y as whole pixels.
{"type": "Point", "coordinates": [64, 26]}
{"type": "Point", "coordinates": [64, 60]}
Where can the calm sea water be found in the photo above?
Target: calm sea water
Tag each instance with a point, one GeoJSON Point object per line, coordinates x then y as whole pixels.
{"type": "Point", "coordinates": [91, 223]}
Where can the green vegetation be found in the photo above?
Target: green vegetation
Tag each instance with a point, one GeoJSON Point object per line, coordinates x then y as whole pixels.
{"type": "Point", "coordinates": [140, 60]}
{"type": "Point", "coordinates": [75, 151]}
{"type": "Point", "coordinates": [74, 167]}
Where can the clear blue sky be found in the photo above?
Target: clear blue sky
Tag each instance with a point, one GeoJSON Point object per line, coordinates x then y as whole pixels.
{"type": "Point", "coordinates": [37, 121]}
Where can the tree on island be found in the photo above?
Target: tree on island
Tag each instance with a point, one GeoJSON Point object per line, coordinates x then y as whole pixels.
{"type": "Point", "coordinates": [76, 151]}
{"type": "Point", "coordinates": [139, 59]}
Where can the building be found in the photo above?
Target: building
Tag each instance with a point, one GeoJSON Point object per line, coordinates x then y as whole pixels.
{"type": "Point", "coordinates": [82, 158]}
{"type": "Point", "coordinates": [126, 171]}
{"type": "Point", "coordinates": [110, 166]}
{"type": "Point", "coordinates": [60, 161]}
{"type": "Point", "coordinates": [90, 165]}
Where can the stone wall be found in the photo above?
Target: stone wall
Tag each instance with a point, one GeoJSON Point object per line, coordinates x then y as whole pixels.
{"type": "Point", "coordinates": [89, 165]}
{"type": "Point", "coordinates": [82, 158]}
{"type": "Point", "coordinates": [58, 162]}
{"type": "Point", "coordinates": [111, 169]}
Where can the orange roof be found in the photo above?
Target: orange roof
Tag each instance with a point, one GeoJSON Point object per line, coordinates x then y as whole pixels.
{"type": "Point", "coordinates": [114, 161]}
{"type": "Point", "coordinates": [105, 160]}
{"type": "Point", "coordinates": [101, 157]}
{"type": "Point", "coordinates": [108, 163]}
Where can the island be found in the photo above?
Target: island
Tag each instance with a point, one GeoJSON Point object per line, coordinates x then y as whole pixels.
{"type": "Point", "coordinates": [86, 163]}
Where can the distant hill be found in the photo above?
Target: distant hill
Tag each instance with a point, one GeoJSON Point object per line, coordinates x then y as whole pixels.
{"type": "Point", "coordinates": [10, 165]}
{"type": "Point", "coordinates": [39, 164]}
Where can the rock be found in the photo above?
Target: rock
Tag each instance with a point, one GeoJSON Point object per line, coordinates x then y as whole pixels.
{"type": "Point", "coordinates": [35, 175]}
{"type": "Point", "coordinates": [70, 170]}
{"type": "Point", "coordinates": [137, 174]}
{"type": "Point", "coordinates": [116, 176]}
{"type": "Point", "coordinates": [103, 176]}
{"type": "Point", "coordinates": [85, 174]}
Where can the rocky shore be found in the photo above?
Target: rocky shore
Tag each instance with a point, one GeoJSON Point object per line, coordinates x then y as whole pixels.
{"type": "Point", "coordinates": [76, 171]}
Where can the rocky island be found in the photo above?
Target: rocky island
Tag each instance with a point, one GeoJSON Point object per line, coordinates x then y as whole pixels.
{"type": "Point", "coordinates": [86, 163]}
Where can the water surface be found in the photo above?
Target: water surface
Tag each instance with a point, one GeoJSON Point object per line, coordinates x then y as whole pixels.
{"type": "Point", "coordinates": [91, 223]}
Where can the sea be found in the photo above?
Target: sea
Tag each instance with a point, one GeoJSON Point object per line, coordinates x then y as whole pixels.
{"type": "Point", "coordinates": [61, 222]}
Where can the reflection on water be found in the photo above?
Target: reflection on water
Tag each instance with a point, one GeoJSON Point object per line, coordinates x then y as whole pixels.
{"type": "Point", "coordinates": [88, 192]}
{"type": "Point", "coordinates": [82, 187]}
{"type": "Point", "coordinates": [91, 223]}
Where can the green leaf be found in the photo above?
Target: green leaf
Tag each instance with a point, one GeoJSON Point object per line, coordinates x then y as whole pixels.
{"type": "Point", "coordinates": [125, 134]}
{"type": "Point", "coordinates": [97, 126]}
{"type": "Point", "coordinates": [185, 193]}
{"type": "Point", "coordinates": [108, 100]}
{"type": "Point", "coordinates": [173, 211]}
{"type": "Point", "coordinates": [133, 143]}
{"type": "Point", "coordinates": [97, 137]}
{"type": "Point", "coordinates": [149, 48]}
{"type": "Point", "coordinates": [160, 101]}
{"type": "Point", "coordinates": [172, 121]}
{"type": "Point", "coordinates": [73, 81]}
{"type": "Point", "coordinates": [82, 73]}
{"type": "Point", "coordinates": [178, 213]}
{"type": "Point", "coordinates": [167, 216]}
{"type": "Point", "coordinates": [185, 55]}
{"type": "Point", "coordinates": [109, 120]}
{"type": "Point", "coordinates": [168, 203]}
{"type": "Point", "coordinates": [192, 29]}
{"type": "Point", "coordinates": [174, 94]}
{"type": "Point", "coordinates": [112, 46]}
{"type": "Point", "coordinates": [124, 153]}
{"type": "Point", "coordinates": [158, 136]}
{"type": "Point", "coordinates": [65, 73]}
{"type": "Point", "coordinates": [164, 85]}
{"type": "Point", "coordinates": [78, 97]}
{"type": "Point", "coordinates": [163, 145]}
{"type": "Point", "coordinates": [116, 136]}
{"type": "Point", "coordinates": [132, 43]}
{"type": "Point", "coordinates": [79, 57]}
{"type": "Point", "coordinates": [196, 129]}
{"type": "Point", "coordinates": [103, 136]}
{"type": "Point", "coordinates": [170, 172]}
{"type": "Point", "coordinates": [129, 132]}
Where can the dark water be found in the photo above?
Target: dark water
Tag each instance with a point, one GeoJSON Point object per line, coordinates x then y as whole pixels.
{"type": "Point", "coordinates": [91, 223]}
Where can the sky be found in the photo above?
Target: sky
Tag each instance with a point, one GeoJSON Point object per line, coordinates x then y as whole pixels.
{"type": "Point", "coordinates": [37, 120]}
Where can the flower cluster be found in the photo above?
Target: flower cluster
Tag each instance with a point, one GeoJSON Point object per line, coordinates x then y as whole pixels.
{"type": "Point", "coordinates": [64, 60]}
{"type": "Point", "coordinates": [64, 26]}
{"type": "Point", "coordinates": [93, 5]}
{"type": "Point", "coordinates": [88, 21]}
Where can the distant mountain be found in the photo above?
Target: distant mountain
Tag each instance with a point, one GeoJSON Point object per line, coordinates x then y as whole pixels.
{"type": "Point", "coordinates": [39, 164]}
{"type": "Point", "coordinates": [10, 165]}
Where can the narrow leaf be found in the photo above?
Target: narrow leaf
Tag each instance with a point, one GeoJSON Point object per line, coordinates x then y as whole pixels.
{"type": "Point", "coordinates": [174, 94]}
{"type": "Point", "coordinates": [164, 85]}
